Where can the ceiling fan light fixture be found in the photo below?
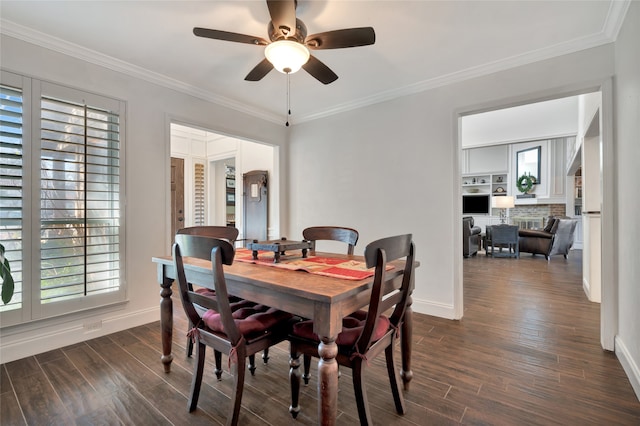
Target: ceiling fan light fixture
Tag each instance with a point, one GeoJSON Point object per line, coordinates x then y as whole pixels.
{"type": "Point", "coordinates": [287, 56]}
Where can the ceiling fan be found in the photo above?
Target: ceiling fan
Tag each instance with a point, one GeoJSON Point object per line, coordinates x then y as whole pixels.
{"type": "Point", "coordinates": [289, 45]}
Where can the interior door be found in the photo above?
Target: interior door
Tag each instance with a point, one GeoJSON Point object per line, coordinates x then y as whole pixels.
{"type": "Point", "coordinates": [255, 205]}
{"type": "Point", "coordinates": [177, 195]}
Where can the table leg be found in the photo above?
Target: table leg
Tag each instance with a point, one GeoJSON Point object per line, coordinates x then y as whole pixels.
{"type": "Point", "coordinates": [166, 322]}
{"type": "Point", "coordinates": [327, 382]}
{"type": "Point", "coordinates": [406, 336]}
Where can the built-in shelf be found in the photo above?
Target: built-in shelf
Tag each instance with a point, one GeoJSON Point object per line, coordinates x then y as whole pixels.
{"type": "Point", "coordinates": [482, 185]}
{"type": "Point", "coordinates": [577, 204]}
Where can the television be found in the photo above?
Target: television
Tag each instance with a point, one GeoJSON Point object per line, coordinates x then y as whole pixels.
{"type": "Point", "coordinates": [476, 204]}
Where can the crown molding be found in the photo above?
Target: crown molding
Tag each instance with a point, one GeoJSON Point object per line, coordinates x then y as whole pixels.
{"type": "Point", "coordinates": [608, 34]}
{"type": "Point", "coordinates": [615, 18]}
{"type": "Point", "coordinates": [38, 38]}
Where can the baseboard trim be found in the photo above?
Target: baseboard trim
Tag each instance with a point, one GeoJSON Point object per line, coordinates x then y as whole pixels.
{"type": "Point", "coordinates": [429, 307]}
{"type": "Point", "coordinates": [23, 345]}
{"type": "Point", "coordinates": [586, 288]}
{"type": "Point", "coordinates": [628, 365]}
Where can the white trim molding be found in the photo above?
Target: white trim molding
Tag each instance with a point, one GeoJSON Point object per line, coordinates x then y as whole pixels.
{"type": "Point", "coordinates": [628, 365]}
{"type": "Point", "coordinates": [15, 346]}
{"type": "Point", "coordinates": [608, 34]}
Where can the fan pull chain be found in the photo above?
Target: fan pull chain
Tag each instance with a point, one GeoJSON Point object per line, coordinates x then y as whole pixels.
{"type": "Point", "coordinates": [288, 98]}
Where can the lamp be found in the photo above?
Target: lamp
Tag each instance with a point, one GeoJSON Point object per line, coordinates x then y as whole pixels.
{"type": "Point", "coordinates": [287, 56]}
{"type": "Point", "coordinates": [503, 203]}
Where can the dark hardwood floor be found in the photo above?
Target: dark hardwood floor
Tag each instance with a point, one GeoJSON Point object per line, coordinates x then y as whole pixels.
{"type": "Point", "coordinates": [527, 352]}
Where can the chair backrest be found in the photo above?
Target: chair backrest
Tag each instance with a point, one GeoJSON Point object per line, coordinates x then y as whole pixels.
{"type": "Point", "coordinates": [220, 252]}
{"type": "Point", "coordinates": [378, 253]}
{"type": "Point", "coordinates": [331, 233]}
{"type": "Point", "coordinates": [563, 237]}
{"type": "Point", "coordinates": [228, 233]}
{"type": "Point", "coordinates": [467, 224]}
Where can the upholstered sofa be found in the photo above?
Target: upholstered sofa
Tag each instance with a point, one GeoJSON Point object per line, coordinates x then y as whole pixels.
{"type": "Point", "coordinates": [555, 238]}
{"type": "Point", "coordinates": [470, 237]}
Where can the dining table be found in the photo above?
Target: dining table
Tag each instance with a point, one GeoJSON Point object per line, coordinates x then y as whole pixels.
{"type": "Point", "coordinates": [325, 299]}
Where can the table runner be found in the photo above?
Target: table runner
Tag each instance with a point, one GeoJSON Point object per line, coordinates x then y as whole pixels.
{"type": "Point", "coordinates": [319, 265]}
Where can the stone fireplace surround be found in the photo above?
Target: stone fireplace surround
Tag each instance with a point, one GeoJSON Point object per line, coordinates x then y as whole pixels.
{"type": "Point", "coordinates": [538, 210]}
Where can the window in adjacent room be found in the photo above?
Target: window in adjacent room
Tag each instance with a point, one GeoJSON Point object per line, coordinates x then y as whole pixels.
{"type": "Point", "coordinates": [199, 213]}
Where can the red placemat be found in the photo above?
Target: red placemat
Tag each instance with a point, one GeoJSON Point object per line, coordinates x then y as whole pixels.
{"type": "Point", "coordinates": [319, 265]}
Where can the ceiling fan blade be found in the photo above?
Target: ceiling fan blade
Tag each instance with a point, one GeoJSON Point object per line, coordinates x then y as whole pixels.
{"type": "Point", "coordinates": [338, 39]}
{"type": "Point", "coordinates": [283, 16]}
{"type": "Point", "coordinates": [227, 36]}
{"type": "Point", "coordinates": [320, 71]}
{"type": "Point", "coordinates": [259, 71]}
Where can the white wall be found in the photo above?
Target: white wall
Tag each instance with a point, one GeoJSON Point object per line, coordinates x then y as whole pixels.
{"type": "Point", "coordinates": [486, 159]}
{"type": "Point", "coordinates": [150, 108]}
{"type": "Point", "coordinates": [588, 106]}
{"type": "Point", "coordinates": [627, 132]}
{"type": "Point", "coordinates": [541, 120]}
{"type": "Point", "coordinates": [394, 167]}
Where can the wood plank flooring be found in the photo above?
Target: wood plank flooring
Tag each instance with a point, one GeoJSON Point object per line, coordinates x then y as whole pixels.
{"type": "Point", "coordinates": [527, 352]}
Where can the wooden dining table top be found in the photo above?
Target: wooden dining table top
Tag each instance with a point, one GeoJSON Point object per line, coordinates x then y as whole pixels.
{"type": "Point", "coordinates": [302, 284]}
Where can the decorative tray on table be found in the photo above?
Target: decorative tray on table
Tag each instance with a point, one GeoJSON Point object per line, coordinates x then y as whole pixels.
{"type": "Point", "coordinates": [278, 247]}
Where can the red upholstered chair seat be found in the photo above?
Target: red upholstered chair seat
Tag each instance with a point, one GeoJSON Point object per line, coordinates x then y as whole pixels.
{"type": "Point", "coordinates": [250, 318]}
{"type": "Point", "coordinates": [250, 327]}
{"type": "Point", "coordinates": [212, 294]}
{"type": "Point", "coordinates": [352, 326]}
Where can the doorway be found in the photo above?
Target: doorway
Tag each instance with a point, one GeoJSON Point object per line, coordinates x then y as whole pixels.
{"type": "Point", "coordinates": [221, 159]}
{"type": "Point", "coordinates": [222, 191]}
{"type": "Point", "coordinates": [177, 195]}
{"type": "Point", "coordinates": [598, 262]}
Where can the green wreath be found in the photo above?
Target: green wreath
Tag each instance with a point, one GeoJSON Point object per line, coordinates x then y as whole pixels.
{"type": "Point", "coordinates": [525, 183]}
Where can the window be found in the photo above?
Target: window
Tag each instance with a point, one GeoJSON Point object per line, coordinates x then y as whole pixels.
{"type": "Point", "coordinates": [71, 184]}
{"type": "Point", "coordinates": [199, 191]}
{"type": "Point", "coordinates": [11, 185]}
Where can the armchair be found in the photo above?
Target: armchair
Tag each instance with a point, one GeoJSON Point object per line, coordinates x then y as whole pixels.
{"type": "Point", "coordinates": [555, 238]}
{"type": "Point", "coordinates": [470, 237]}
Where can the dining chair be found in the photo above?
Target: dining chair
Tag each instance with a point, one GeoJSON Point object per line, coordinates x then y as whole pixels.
{"type": "Point", "coordinates": [365, 334]}
{"type": "Point", "coordinates": [228, 233]}
{"type": "Point", "coordinates": [331, 233]}
{"type": "Point", "coordinates": [327, 233]}
{"type": "Point", "coordinates": [237, 329]}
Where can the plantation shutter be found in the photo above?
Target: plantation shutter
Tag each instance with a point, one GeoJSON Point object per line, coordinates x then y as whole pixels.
{"type": "Point", "coordinates": [11, 186]}
{"type": "Point", "coordinates": [61, 188]}
{"type": "Point", "coordinates": [79, 200]}
{"type": "Point", "coordinates": [199, 203]}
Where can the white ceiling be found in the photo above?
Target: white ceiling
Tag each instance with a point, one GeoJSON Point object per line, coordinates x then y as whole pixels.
{"type": "Point", "coordinates": [419, 44]}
